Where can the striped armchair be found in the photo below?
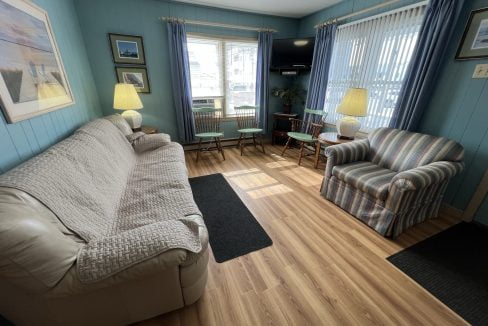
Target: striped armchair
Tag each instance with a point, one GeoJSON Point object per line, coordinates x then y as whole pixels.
{"type": "Point", "coordinates": [392, 180]}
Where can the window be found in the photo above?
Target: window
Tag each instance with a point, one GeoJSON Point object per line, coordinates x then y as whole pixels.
{"type": "Point", "coordinates": [223, 72]}
{"type": "Point", "coordinates": [373, 54]}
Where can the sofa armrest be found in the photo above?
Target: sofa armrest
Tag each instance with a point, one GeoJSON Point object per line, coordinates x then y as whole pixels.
{"type": "Point", "coordinates": [147, 142]}
{"type": "Point", "coordinates": [426, 175]}
{"type": "Point", "coordinates": [345, 153]}
{"type": "Point", "coordinates": [171, 259]}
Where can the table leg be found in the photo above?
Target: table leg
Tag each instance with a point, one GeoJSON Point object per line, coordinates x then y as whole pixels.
{"type": "Point", "coordinates": [317, 154]}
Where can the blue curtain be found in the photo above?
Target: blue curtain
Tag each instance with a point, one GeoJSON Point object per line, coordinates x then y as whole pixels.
{"type": "Point", "coordinates": [180, 75]}
{"type": "Point", "coordinates": [420, 80]}
{"type": "Point", "coordinates": [319, 77]}
{"type": "Point", "coordinates": [265, 43]}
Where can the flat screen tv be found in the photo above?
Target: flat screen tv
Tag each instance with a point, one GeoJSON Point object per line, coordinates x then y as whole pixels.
{"type": "Point", "coordinates": [292, 53]}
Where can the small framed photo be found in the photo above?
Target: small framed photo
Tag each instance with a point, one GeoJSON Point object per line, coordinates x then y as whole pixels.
{"type": "Point", "coordinates": [127, 49]}
{"type": "Point", "coordinates": [474, 44]}
{"type": "Point", "coordinates": [136, 76]}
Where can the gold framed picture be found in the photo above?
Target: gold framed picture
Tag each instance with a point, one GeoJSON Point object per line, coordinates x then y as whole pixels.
{"type": "Point", "coordinates": [32, 76]}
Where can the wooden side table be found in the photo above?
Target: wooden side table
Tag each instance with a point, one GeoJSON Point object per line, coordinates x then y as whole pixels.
{"type": "Point", "coordinates": [281, 125]}
{"type": "Point", "coordinates": [330, 138]}
{"type": "Point", "coordinates": [149, 130]}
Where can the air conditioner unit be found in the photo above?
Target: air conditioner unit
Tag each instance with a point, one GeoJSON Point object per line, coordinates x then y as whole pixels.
{"type": "Point", "coordinates": [204, 103]}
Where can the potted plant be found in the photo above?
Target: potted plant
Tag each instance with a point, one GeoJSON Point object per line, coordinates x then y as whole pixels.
{"type": "Point", "coordinates": [289, 96]}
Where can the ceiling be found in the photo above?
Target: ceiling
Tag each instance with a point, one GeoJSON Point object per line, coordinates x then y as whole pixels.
{"type": "Point", "coordinates": [285, 8]}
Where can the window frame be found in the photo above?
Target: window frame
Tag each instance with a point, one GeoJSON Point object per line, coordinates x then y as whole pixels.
{"type": "Point", "coordinates": [221, 39]}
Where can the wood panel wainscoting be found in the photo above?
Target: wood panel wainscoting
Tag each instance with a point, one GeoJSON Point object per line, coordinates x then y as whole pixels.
{"type": "Point", "coordinates": [324, 267]}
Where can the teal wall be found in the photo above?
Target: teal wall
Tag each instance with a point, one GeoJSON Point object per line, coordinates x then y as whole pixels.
{"type": "Point", "coordinates": [459, 110]}
{"type": "Point", "coordinates": [22, 140]}
{"type": "Point", "coordinates": [459, 106]}
{"type": "Point", "coordinates": [140, 17]}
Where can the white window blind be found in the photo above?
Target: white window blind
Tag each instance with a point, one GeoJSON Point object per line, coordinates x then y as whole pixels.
{"type": "Point", "coordinates": [373, 54]}
{"type": "Point", "coordinates": [223, 72]}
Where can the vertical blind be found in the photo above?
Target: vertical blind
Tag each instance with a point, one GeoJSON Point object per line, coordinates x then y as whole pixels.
{"type": "Point", "coordinates": [373, 54]}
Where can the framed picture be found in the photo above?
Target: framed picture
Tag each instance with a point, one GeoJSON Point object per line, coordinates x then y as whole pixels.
{"type": "Point", "coordinates": [134, 75]}
{"type": "Point", "coordinates": [474, 44]}
{"type": "Point", "coordinates": [127, 49]}
{"type": "Point", "coordinates": [32, 77]}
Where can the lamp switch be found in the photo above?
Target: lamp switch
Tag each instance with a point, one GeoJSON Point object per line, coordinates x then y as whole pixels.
{"type": "Point", "coordinates": [481, 71]}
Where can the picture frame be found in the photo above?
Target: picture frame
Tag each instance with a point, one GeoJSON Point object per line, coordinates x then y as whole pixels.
{"type": "Point", "coordinates": [127, 49]}
{"type": "Point", "coordinates": [474, 43]}
{"type": "Point", "coordinates": [136, 76]}
{"type": "Point", "coordinates": [33, 80]}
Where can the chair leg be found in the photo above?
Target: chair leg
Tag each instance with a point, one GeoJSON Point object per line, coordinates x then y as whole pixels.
{"type": "Point", "coordinates": [239, 141]}
{"type": "Point", "coordinates": [301, 153]}
{"type": "Point", "coordinates": [317, 154]}
{"type": "Point", "coordinates": [286, 146]}
{"type": "Point", "coordinates": [254, 140]}
{"type": "Point", "coordinates": [241, 144]}
{"type": "Point", "coordinates": [199, 148]}
{"type": "Point", "coordinates": [220, 147]}
{"type": "Point", "coordinates": [261, 142]}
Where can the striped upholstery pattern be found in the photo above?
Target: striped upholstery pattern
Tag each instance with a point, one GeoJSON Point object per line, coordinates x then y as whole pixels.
{"type": "Point", "coordinates": [401, 150]}
{"type": "Point", "coordinates": [392, 180]}
{"type": "Point", "coordinates": [365, 176]}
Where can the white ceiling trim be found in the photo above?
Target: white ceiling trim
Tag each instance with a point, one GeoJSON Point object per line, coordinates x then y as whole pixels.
{"type": "Point", "coordinates": [282, 8]}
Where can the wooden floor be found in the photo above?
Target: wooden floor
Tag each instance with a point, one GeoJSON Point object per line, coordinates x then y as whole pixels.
{"type": "Point", "coordinates": [324, 268]}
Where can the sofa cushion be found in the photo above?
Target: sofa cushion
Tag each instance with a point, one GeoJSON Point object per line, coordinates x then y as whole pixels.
{"type": "Point", "coordinates": [120, 123]}
{"type": "Point", "coordinates": [365, 176]}
{"type": "Point", "coordinates": [401, 150]}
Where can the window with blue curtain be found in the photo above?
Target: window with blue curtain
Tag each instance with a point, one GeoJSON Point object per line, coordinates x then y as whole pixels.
{"type": "Point", "coordinates": [373, 53]}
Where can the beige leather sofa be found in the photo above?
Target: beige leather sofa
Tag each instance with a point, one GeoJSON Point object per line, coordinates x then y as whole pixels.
{"type": "Point", "coordinates": [39, 284]}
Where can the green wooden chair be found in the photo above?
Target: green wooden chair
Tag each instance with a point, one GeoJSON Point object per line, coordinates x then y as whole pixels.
{"type": "Point", "coordinates": [207, 126]}
{"type": "Point", "coordinates": [247, 122]}
{"type": "Point", "coordinates": [306, 131]}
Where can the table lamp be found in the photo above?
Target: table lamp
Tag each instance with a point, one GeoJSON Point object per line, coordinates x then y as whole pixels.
{"type": "Point", "coordinates": [127, 99]}
{"type": "Point", "coordinates": [354, 104]}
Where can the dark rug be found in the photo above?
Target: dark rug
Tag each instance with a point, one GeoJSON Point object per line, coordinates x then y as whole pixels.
{"type": "Point", "coordinates": [233, 230]}
{"type": "Point", "coordinates": [453, 266]}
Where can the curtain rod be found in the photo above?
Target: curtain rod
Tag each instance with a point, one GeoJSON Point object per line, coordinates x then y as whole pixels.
{"type": "Point", "coordinates": [357, 13]}
{"type": "Point", "coordinates": [220, 25]}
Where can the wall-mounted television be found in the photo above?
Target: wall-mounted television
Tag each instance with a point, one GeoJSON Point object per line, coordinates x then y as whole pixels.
{"type": "Point", "coordinates": [292, 55]}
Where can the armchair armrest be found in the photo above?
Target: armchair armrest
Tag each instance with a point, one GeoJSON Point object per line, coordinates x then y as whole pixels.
{"type": "Point", "coordinates": [345, 153]}
{"type": "Point", "coordinates": [426, 175]}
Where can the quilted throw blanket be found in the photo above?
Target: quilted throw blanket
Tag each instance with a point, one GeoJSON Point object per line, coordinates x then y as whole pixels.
{"type": "Point", "coordinates": [128, 207]}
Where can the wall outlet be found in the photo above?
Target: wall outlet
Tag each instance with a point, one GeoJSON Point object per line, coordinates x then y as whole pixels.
{"type": "Point", "coordinates": [481, 71]}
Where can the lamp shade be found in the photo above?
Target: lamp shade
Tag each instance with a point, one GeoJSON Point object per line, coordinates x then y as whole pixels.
{"type": "Point", "coordinates": [126, 97]}
{"type": "Point", "coordinates": [354, 103]}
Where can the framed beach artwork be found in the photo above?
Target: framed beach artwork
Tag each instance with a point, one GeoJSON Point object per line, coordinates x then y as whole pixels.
{"type": "Point", "coordinates": [127, 49]}
{"type": "Point", "coordinates": [32, 77]}
{"type": "Point", "coordinates": [474, 44]}
{"type": "Point", "coordinates": [136, 76]}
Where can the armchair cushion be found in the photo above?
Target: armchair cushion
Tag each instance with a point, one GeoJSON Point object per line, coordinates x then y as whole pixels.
{"type": "Point", "coordinates": [345, 153]}
{"type": "Point", "coordinates": [365, 176]}
{"type": "Point", "coordinates": [426, 175]}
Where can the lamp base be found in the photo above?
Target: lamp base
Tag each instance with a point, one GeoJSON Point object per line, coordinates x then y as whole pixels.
{"type": "Point", "coordinates": [133, 118]}
{"type": "Point", "coordinates": [347, 127]}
